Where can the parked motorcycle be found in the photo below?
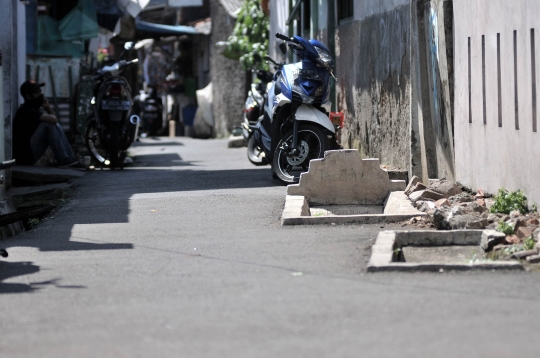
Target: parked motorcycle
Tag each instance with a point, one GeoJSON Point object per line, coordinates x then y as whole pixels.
{"type": "Point", "coordinates": [252, 112]}
{"type": "Point", "coordinates": [296, 127]}
{"type": "Point", "coordinates": [111, 128]}
{"type": "Point", "coordinates": [149, 108]}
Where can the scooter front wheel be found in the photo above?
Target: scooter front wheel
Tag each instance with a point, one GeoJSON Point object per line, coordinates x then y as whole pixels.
{"type": "Point", "coordinates": [255, 154]}
{"type": "Point", "coordinates": [312, 143]}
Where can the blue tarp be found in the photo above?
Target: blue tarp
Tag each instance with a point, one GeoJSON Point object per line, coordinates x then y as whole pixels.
{"type": "Point", "coordinates": [80, 23]}
{"type": "Point", "coordinates": [165, 30]}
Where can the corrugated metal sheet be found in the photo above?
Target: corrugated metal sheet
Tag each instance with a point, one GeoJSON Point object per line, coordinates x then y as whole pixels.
{"type": "Point", "coordinates": [231, 6]}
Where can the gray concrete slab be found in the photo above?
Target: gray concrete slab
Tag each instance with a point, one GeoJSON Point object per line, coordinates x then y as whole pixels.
{"type": "Point", "coordinates": [38, 175]}
{"type": "Point", "coordinates": [29, 196]}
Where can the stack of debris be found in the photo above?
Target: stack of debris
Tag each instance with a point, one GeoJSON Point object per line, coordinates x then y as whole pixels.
{"type": "Point", "coordinates": [508, 236]}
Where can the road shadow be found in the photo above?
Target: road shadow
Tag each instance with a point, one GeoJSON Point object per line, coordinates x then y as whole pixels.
{"type": "Point", "coordinates": [157, 143]}
{"type": "Point", "coordinates": [14, 269]}
{"type": "Point", "coordinates": [165, 160]}
{"type": "Point", "coordinates": [104, 197]}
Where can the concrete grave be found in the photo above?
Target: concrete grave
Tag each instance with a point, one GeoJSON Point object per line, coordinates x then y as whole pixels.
{"type": "Point", "coordinates": [343, 188]}
{"type": "Point", "coordinates": [342, 177]}
{"type": "Point", "coordinates": [298, 211]}
{"type": "Point", "coordinates": [387, 253]}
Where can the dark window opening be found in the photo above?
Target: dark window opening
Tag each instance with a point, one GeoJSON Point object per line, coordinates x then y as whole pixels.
{"type": "Point", "coordinates": [533, 74]}
{"type": "Point", "coordinates": [516, 93]}
{"type": "Point", "coordinates": [345, 9]}
{"type": "Point", "coordinates": [306, 18]}
{"type": "Point", "coordinates": [469, 78]}
{"type": "Point", "coordinates": [484, 78]}
{"type": "Point", "coordinates": [499, 80]}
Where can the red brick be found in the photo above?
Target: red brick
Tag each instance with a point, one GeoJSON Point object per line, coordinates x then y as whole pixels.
{"type": "Point", "coordinates": [524, 231]}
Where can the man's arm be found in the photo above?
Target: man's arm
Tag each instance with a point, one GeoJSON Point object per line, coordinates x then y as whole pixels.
{"type": "Point", "coordinates": [49, 117]}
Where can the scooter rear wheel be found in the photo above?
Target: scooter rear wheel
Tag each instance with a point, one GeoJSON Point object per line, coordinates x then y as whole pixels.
{"type": "Point", "coordinates": [312, 143]}
{"type": "Point", "coordinates": [93, 142]}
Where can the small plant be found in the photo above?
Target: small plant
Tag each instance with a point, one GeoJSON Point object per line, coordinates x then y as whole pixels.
{"type": "Point", "coordinates": [529, 243]}
{"type": "Point", "coordinates": [534, 208]}
{"type": "Point", "coordinates": [320, 213]}
{"type": "Point", "coordinates": [506, 202]}
{"type": "Point", "coordinates": [512, 250]}
{"type": "Point", "coordinates": [505, 228]}
{"type": "Point", "coordinates": [397, 255]}
{"type": "Point", "coordinates": [33, 222]}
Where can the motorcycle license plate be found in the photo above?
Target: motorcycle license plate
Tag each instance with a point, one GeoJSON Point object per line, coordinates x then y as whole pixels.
{"type": "Point", "coordinates": [115, 105]}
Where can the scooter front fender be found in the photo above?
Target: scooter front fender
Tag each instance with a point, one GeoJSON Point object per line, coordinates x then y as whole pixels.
{"type": "Point", "coordinates": [309, 113]}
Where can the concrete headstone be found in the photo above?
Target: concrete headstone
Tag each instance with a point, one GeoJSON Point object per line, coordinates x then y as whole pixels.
{"type": "Point", "coordinates": [343, 177]}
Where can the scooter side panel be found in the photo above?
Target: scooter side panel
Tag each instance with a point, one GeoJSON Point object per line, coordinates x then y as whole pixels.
{"type": "Point", "coordinates": [263, 137]}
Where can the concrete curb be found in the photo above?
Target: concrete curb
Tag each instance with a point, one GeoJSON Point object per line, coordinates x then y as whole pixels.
{"type": "Point", "coordinates": [382, 254]}
{"type": "Point", "coordinates": [398, 208]}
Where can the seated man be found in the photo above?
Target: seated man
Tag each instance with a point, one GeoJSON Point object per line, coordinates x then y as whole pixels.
{"type": "Point", "coordinates": [35, 128]}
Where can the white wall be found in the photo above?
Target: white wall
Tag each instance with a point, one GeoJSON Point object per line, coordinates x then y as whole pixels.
{"type": "Point", "coordinates": [488, 156]}
{"type": "Point", "coordinates": [279, 12]}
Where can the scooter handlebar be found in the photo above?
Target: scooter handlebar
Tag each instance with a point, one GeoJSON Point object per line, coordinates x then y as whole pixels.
{"type": "Point", "coordinates": [282, 37]}
{"type": "Point", "coordinates": [290, 41]}
{"type": "Point", "coordinates": [268, 58]}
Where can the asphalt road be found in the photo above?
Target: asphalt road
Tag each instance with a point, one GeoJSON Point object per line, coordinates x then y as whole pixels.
{"type": "Point", "coordinates": [183, 255]}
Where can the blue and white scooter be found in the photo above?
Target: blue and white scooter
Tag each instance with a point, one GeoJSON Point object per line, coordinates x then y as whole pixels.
{"type": "Point", "coordinates": [296, 126]}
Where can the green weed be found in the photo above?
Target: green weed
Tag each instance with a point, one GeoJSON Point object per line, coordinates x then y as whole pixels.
{"type": "Point", "coordinates": [397, 255]}
{"type": "Point", "coordinates": [505, 228]}
{"type": "Point", "coordinates": [529, 243]}
{"type": "Point", "coordinates": [505, 202]}
{"type": "Point", "coordinates": [33, 222]}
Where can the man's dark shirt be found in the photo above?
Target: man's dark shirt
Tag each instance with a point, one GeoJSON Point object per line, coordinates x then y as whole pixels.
{"type": "Point", "coordinates": [24, 125]}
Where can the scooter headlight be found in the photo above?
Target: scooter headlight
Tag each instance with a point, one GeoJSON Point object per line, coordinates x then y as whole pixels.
{"type": "Point", "coordinates": [325, 59]}
{"type": "Point", "coordinates": [300, 92]}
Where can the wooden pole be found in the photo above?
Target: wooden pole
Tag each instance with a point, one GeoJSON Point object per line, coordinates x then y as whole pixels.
{"type": "Point", "coordinates": [53, 91]}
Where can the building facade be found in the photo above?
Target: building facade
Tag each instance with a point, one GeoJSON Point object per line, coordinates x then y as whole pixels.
{"type": "Point", "coordinates": [496, 103]}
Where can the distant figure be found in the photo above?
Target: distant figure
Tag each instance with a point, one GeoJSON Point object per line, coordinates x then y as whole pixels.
{"type": "Point", "coordinates": [35, 128]}
{"type": "Point", "coordinates": [156, 67]}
